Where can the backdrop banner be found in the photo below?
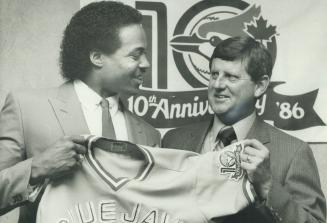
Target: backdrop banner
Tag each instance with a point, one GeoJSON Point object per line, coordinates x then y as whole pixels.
{"type": "Point", "coordinates": [182, 35]}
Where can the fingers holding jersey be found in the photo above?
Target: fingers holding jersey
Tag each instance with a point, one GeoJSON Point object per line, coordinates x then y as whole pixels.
{"type": "Point", "coordinates": [78, 139]}
{"type": "Point", "coordinates": [255, 148]}
{"type": "Point", "coordinates": [57, 160]}
{"type": "Point", "coordinates": [250, 162]}
{"type": "Point", "coordinates": [255, 160]}
{"type": "Point", "coordinates": [79, 149]}
{"type": "Point", "coordinates": [255, 155]}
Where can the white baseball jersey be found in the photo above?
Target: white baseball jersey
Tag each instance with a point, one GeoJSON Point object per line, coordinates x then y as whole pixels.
{"type": "Point", "coordinates": [162, 186]}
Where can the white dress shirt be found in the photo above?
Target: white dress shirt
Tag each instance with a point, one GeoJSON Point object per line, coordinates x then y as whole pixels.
{"type": "Point", "coordinates": [90, 102]}
{"type": "Point", "coordinates": [241, 129]}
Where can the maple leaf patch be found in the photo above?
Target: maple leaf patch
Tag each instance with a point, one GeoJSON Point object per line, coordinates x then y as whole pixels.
{"type": "Point", "coordinates": [259, 30]}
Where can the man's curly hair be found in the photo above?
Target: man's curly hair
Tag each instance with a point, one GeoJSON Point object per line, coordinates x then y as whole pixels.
{"type": "Point", "coordinates": [94, 27]}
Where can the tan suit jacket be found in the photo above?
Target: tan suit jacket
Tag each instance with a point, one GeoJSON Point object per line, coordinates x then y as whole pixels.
{"type": "Point", "coordinates": [30, 122]}
{"type": "Point", "coordinates": [296, 195]}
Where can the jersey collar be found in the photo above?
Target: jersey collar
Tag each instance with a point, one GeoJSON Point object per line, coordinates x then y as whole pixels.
{"type": "Point", "coordinates": [118, 147]}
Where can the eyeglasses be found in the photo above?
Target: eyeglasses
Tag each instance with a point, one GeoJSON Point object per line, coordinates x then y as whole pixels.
{"type": "Point", "coordinates": [227, 77]}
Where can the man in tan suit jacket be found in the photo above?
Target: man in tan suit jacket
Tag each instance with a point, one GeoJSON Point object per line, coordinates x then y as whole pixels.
{"type": "Point", "coordinates": [103, 50]}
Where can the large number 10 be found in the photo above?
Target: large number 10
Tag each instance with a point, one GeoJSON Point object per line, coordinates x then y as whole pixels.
{"type": "Point", "coordinates": [155, 25]}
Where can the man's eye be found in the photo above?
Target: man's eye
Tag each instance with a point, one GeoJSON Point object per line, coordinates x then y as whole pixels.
{"type": "Point", "coordinates": [135, 56]}
{"type": "Point", "coordinates": [232, 78]}
{"type": "Point", "coordinates": [214, 75]}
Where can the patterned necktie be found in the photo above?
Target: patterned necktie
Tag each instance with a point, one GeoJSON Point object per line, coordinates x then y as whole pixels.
{"type": "Point", "coordinates": [108, 130]}
{"type": "Point", "coordinates": [225, 137]}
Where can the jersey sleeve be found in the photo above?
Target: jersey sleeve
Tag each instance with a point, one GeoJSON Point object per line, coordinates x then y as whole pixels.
{"type": "Point", "coordinates": [222, 187]}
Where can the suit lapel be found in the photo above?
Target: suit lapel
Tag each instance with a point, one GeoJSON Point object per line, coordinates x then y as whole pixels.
{"type": "Point", "coordinates": [135, 129]}
{"type": "Point", "coordinates": [259, 132]}
{"type": "Point", "coordinates": [197, 137]}
{"type": "Point", "coordinates": [68, 111]}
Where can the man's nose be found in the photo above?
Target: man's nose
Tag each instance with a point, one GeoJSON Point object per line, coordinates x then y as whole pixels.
{"type": "Point", "coordinates": [220, 82]}
{"type": "Point", "coordinates": [144, 62]}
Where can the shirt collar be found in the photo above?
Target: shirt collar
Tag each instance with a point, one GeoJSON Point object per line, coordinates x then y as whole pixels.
{"type": "Point", "coordinates": [113, 103]}
{"type": "Point", "coordinates": [90, 99]}
{"type": "Point", "coordinates": [241, 127]}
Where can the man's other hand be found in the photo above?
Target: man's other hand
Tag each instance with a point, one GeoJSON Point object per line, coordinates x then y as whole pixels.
{"type": "Point", "coordinates": [255, 160]}
{"type": "Point", "coordinates": [58, 160]}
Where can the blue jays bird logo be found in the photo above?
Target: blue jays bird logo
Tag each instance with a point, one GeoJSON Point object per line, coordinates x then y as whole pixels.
{"type": "Point", "coordinates": [207, 23]}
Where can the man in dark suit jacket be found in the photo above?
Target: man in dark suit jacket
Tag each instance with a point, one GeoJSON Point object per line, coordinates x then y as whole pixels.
{"type": "Point", "coordinates": [102, 57]}
{"type": "Point", "coordinates": [281, 168]}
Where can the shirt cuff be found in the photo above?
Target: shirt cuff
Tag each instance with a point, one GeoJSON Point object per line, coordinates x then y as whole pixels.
{"type": "Point", "coordinates": [34, 190]}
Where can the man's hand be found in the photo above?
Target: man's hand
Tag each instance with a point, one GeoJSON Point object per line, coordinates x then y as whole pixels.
{"type": "Point", "coordinates": [58, 160]}
{"type": "Point", "coordinates": [255, 160]}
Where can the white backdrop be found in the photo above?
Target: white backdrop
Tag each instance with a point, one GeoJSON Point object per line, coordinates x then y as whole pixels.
{"type": "Point", "coordinates": [292, 30]}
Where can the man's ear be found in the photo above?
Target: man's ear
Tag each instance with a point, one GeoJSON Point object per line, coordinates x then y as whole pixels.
{"type": "Point", "coordinates": [261, 86]}
{"type": "Point", "coordinates": [96, 58]}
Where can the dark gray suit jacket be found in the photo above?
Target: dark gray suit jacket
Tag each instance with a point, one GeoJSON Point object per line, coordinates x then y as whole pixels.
{"type": "Point", "coordinates": [296, 195]}
{"type": "Point", "coordinates": [30, 122]}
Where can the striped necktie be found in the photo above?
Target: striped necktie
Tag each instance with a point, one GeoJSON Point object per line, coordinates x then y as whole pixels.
{"type": "Point", "coordinates": [108, 130]}
{"type": "Point", "coordinates": [225, 137]}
